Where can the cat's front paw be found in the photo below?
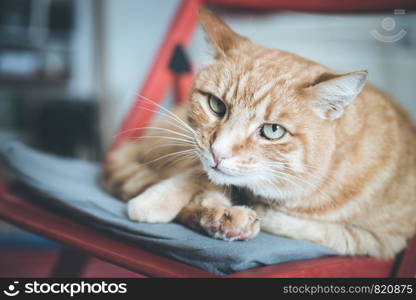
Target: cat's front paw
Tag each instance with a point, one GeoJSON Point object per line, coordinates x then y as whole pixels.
{"type": "Point", "coordinates": [231, 223]}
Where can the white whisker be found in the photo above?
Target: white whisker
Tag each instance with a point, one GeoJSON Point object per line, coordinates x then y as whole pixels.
{"type": "Point", "coordinates": [177, 124]}
{"type": "Point", "coordinates": [169, 155]}
{"type": "Point", "coordinates": [285, 176]}
{"type": "Point", "coordinates": [167, 111]}
{"type": "Point", "coordinates": [158, 128]}
{"type": "Point", "coordinates": [166, 138]}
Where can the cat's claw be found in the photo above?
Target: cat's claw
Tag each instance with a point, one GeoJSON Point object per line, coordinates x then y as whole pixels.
{"type": "Point", "coordinates": [231, 223]}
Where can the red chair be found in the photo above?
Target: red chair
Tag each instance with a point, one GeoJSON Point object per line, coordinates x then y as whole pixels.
{"type": "Point", "coordinates": [24, 213]}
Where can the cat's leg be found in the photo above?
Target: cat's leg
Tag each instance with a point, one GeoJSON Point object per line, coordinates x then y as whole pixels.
{"type": "Point", "coordinates": [162, 202]}
{"type": "Point", "coordinates": [123, 175]}
{"type": "Point", "coordinates": [343, 238]}
{"type": "Point", "coordinates": [212, 212]}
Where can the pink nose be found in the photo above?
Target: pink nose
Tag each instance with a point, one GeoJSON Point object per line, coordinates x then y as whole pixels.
{"type": "Point", "coordinates": [218, 156]}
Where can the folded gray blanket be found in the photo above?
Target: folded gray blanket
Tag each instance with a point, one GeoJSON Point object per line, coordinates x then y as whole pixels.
{"type": "Point", "coordinates": [73, 186]}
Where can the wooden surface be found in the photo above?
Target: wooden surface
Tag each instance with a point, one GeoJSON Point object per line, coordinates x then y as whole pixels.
{"type": "Point", "coordinates": [407, 267]}
{"type": "Point", "coordinates": [127, 255]}
{"type": "Point", "coordinates": [97, 243]}
{"type": "Point", "coordinates": [21, 262]}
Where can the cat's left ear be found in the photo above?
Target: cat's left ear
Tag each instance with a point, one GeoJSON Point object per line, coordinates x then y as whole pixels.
{"type": "Point", "coordinates": [332, 96]}
{"type": "Point", "coordinates": [220, 35]}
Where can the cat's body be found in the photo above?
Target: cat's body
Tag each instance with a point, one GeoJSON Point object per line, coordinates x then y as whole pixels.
{"type": "Point", "coordinates": [319, 156]}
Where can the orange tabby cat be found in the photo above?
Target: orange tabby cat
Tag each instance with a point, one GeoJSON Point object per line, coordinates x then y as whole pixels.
{"type": "Point", "coordinates": [317, 155]}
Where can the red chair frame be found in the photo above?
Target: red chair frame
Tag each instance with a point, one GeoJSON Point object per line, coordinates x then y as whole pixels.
{"type": "Point", "coordinates": [25, 214]}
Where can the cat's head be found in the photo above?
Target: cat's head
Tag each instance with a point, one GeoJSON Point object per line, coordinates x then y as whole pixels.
{"type": "Point", "coordinates": [264, 118]}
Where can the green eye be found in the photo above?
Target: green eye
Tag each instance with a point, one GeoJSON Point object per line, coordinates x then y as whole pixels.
{"type": "Point", "coordinates": [216, 105]}
{"type": "Point", "coordinates": [272, 131]}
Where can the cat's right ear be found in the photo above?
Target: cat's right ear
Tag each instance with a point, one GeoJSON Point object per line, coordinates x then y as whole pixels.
{"type": "Point", "coordinates": [332, 96]}
{"type": "Point", "coordinates": [219, 34]}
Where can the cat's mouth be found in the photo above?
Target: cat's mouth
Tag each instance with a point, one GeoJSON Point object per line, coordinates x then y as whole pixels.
{"type": "Point", "coordinates": [225, 172]}
{"type": "Point", "coordinates": [218, 170]}
{"type": "Point", "coordinates": [221, 171]}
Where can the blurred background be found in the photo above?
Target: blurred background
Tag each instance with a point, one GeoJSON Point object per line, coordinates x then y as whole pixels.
{"type": "Point", "coordinates": [69, 71]}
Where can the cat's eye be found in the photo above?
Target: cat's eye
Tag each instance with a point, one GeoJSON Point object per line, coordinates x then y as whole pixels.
{"type": "Point", "coordinates": [217, 105]}
{"type": "Point", "coordinates": [272, 131]}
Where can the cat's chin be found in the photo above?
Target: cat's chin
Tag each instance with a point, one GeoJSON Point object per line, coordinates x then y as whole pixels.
{"type": "Point", "coordinates": [260, 189]}
{"type": "Point", "coordinates": [220, 177]}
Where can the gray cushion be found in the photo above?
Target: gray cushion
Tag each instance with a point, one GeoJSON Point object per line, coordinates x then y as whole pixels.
{"type": "Point", "coordinates": [73, 184]}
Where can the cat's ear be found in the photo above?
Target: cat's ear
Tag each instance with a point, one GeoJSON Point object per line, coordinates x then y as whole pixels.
{"type": "Point", "coordinates": [219, 34]}
{"type": "Point", "coordinates": [332, 96]}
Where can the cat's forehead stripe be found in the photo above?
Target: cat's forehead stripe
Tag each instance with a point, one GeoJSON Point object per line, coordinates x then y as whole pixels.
{"type": "Point", "coordinates": [243, 79]}
{"type": "Point", "coordinates": [231, 91]}
{"type": "Point", "coordinates": [262, 94]}
{"type": "Point", "coordinates": [269, 109]}
{"type": "Point", "coordinates": [262, 91]}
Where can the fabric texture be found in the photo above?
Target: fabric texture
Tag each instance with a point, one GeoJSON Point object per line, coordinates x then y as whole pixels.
{"type": "Point", "coordinates": [73, 185]}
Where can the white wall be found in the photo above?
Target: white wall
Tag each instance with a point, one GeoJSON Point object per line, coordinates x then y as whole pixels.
{"type": "Point", "coordinates": [133, 31]}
